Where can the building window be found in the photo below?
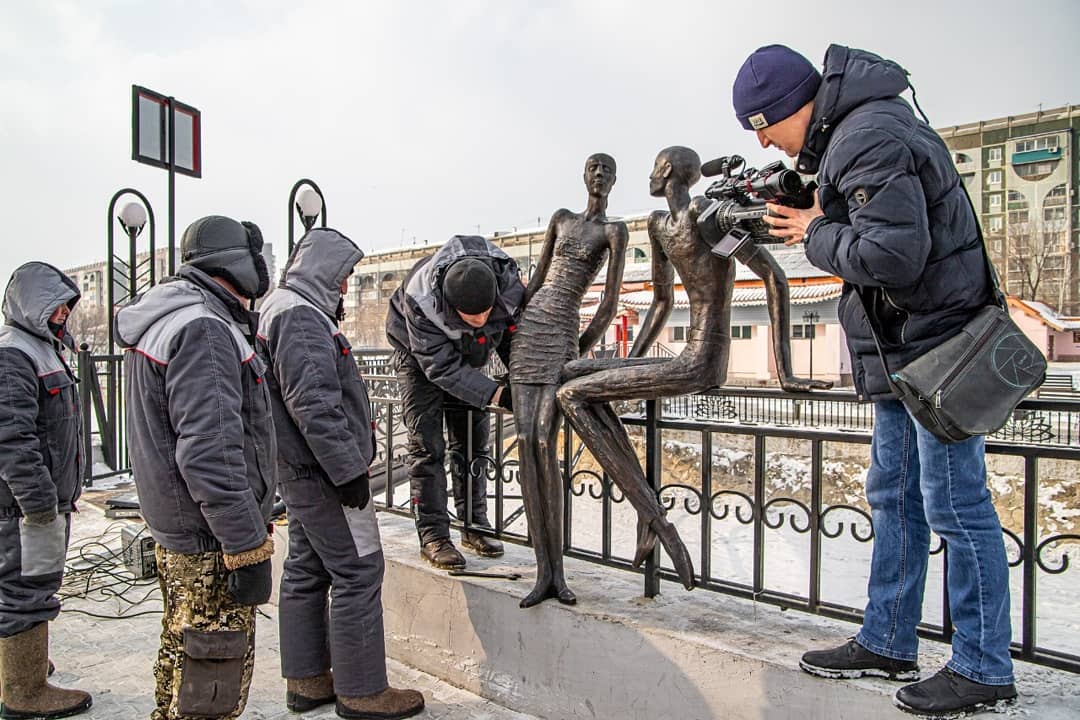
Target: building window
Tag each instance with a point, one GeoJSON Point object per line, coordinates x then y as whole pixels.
{"type": "Point", "coordinates": [741, 332]}
{"type": "Point", "coordinates": [1076, 338]}
{"type": "Point", "coordinates": [803, 332]}
{"type": "Point", "coordinates": [1056, 196]}
{"type": "Point", "coordinates": [1043, 143]}
{"type": "Point", "coordinates": [1035, 171]}
{"type": "Point", "coordinates": [996, 246]}
{"type": "Point", "coordinates": [993, 154]}
{"type": "Point", "coordinates": [1051, 214]}
{"type": "Point", "coordinates": [993, 177]}
{"type": "Point", "coordinates": [995, 202]}
{"type": "Point", "coordinates": [995, 224]}
{"type": "Point", "coordinates": [679, 333]}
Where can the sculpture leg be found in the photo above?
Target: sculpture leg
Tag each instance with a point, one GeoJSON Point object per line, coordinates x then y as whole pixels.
{"type": "Point", "coordinates": [553, 488]}
{"type": "Point", "coordinates": [526, 401]}
{"type": "Point", "coordinates": [584, 400]}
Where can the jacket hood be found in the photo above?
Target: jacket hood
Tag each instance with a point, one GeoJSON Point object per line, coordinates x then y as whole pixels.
{"type": "Point", "coordinates": [141, 312]}
{"type": "Point", "coordinates": [320, 261]}
{"type": "Point", "coordinates": [33, 293]}
{"type": "Point", "coordinates": [851, 78]}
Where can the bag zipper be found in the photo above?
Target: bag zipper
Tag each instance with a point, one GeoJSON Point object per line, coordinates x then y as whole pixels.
{"type": "Point", "coordinates": [979, 343]}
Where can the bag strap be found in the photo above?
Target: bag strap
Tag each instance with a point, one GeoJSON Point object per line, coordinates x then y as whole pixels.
{"type": "Point", "coordinates": [995, 283]}
{"type": "Point", "coordinates": [998, 297]}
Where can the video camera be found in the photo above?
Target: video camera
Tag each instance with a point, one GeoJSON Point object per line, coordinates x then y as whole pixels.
{"type": "Point", "coordinates": [738, 202]}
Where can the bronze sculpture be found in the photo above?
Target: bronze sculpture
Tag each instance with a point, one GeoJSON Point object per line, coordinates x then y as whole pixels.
{"type": "Point", "coordinates": [709, 281]}
{"type": "Point", "coordinates": [546, 338]}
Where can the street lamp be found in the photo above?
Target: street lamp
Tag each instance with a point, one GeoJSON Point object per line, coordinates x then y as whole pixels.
{"type": "Point", "coordinates": [309, 204]}
{"type": "Point", "coordinates": [810, 318]}
{"type": "Point", "coordinates": [133, 217]}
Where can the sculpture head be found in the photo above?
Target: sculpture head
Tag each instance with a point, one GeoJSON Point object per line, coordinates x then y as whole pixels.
{"type": "Point", "coordinates": [675, 164]}
{"type": "Point", "coordinates": [599, 174]}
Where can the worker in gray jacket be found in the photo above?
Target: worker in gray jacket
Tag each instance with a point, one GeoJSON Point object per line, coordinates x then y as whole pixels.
{"type": "Point", "coordinates": [41, 467]}
{"type": "Point", "coordinates": [322, 416]}
{"type": "Point", "coordinates": [452, 311]}
{"type": "Point", "coordinates": [202, 446]}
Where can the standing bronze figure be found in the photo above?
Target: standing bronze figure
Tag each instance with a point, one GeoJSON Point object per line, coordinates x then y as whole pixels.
{"type": "Point", "coordinates": [547, 338]}
{"type": "Point", "coordinates": [709, 281]}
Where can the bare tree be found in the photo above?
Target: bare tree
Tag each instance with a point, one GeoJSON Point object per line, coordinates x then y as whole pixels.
{"type": "Point", "coordinates": [88, 323]}
{"type": "Point", "coordinates": [365, 326]}
{"type": "Point", "coordinates": [1036, 260]}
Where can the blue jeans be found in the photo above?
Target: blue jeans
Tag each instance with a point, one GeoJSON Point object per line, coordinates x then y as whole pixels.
{"type": "Point", "coordinates": [917, 484]}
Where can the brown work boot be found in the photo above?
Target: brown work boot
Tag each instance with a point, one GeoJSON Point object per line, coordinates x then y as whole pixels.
{"type": "Point", "coordinates": [303, 694]}
{"type": "Point", "coordinates": [442, 554]}
{"type": "Point", "coordinates": [481, 544]}
{"type": "Point", "coordinates": [24, 663]}
{"type": "Point", "coordinates": [389, 704]}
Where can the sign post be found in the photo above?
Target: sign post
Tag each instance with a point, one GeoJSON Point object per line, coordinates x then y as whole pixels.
{"type": "Point", "coordinates": [167, 134]}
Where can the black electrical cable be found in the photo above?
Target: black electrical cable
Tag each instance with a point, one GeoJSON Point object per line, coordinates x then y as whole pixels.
{"type": "Point", "coordinates": [96, 573]}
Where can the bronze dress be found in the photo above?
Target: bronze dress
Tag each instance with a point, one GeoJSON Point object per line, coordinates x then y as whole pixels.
{"type": "Point", "coordinates": [548, 331]}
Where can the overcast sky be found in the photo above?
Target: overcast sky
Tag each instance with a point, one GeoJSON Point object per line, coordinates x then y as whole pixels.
{"type": "Point", "coordinates": [425, 119]}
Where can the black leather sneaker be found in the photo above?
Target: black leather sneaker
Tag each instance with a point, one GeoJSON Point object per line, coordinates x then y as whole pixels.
{"type": "Point", "coordinates": [442, 554]}
{"type": "Point", "coordinates": [947, 696]}
{"type": "Point", "coordinates": [852, 660]}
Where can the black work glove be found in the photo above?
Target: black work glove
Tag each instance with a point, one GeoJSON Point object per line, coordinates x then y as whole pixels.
{"type": "Point", "coordinates": [505, 399]}
{"type": "Point", "coordinates": [251, 584]}
{"type": "Point", "coordinates": [355, 493]}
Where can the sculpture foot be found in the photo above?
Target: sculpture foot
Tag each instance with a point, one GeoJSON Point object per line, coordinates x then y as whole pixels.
{"type": "Point", "coordinates": [660, 528]}
{"type": "Point", "coordinates": [565, 595]}
{"type": "Point", "coordinates": [680, 556]}
{"type": "Point", "coordinates": [646, 540]}
{"type": "Point", "coordinates": [540, 593]}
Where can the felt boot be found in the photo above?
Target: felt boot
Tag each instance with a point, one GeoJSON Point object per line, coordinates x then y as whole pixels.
{"type": "Point", "coordinates": [390, 704]}
{"type": "Point", "coordinates": [24, 667]}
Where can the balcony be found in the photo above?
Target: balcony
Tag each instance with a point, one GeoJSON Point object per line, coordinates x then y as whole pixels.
{"type": "Point", "coordinates": [1031, 156]}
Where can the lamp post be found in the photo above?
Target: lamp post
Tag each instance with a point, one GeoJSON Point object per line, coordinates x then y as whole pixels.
{"type": "Point", "coordinates": [810, 318]}
{"type": "Point", "coordinates": [309, 204]}
{"type": "Point", "coordinates": [133, 217]}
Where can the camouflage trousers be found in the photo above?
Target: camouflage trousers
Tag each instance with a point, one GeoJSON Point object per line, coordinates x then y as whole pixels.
{"type": "Point", "coordinates": [207, 649]}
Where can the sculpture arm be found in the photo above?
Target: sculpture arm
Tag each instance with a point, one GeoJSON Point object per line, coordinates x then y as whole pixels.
{"type": "Point", "coordinates": [663, 293]}
{"type": "Point", "coordinates": [778, 297]}
{"type": "Point", "coordinates": [618, 236]}
{"type": "Point", "coordinates": [546, 253]}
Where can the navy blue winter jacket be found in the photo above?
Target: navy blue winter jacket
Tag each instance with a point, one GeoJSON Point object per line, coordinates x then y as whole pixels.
{"type": "Point", "coordinates": [897, 221]}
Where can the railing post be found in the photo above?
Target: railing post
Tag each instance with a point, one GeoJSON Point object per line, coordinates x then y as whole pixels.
{"type": "Point", "coordinates": [86, 367]}
{"type": "Point", "coordinates": [652, 476]}
{"type": "Point", "coordinates": [815, 525]}
{"type": "Point", "coordinates": [759, 514]}
{"type": "Point", "coordinates": [1031, 539]}
{"type": "Point", "coordinates": [389, 441]}
{"type": "Point", "coordinates": [706, 505]}
{"type": "Point", "coordinates": [467, 520]}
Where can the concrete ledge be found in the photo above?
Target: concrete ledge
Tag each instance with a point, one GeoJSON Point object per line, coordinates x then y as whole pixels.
{"type": "Point", "coordinates": [685, 655]}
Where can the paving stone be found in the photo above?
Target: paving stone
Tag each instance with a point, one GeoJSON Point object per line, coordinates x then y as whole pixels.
{"type": "Point", "coordinates": [113, 659]}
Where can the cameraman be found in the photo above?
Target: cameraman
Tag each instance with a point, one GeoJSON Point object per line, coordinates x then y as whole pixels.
{"type": "Point", "coordinates": [893, 219]}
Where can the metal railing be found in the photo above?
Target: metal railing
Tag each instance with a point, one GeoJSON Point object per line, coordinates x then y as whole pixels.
{"type": "Point", "coordinates": [101, 392]}
{"type": "Point", "coordinates": [719, 513]}
{"type": "Point", "coordinates": [730, 496]}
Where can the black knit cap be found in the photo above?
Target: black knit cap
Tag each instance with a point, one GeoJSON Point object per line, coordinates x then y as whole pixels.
{"type": "Point", "coordinates": [470, 286]}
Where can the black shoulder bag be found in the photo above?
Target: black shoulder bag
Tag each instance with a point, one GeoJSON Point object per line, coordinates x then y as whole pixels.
{"type": "Point", "coordinates": [971, 383]}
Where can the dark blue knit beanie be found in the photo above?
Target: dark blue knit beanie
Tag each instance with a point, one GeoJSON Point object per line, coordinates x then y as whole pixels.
{"type": "Point", "coordinates": [772, 84]}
